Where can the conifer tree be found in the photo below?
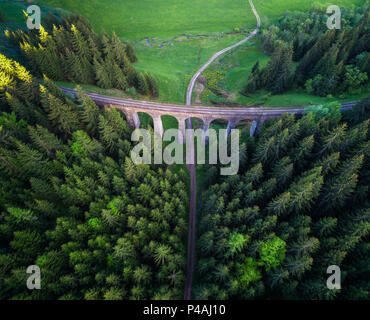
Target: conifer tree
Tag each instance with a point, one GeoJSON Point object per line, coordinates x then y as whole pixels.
{"type": "Point", "coordinates": [253, 83]}
{"type": "Point", "coordinates": [89, 113]}
{"type": "Point", "coordinates": [152, 85]}
{"type": "Point", "coordinates": [141, 84]}
{"type": "Point", "coordinates": [102, 78]}
{"type": "Point", "coordinates": [130, 52]}
{"type": "Point", "coordinates": [278, 72]}
{"type": "Point", "coordinates": [120, 81]}
{"type": "Point", "coordinates": [340, 187]}
{"type": "Point", "coordinates": [62, 116]}
{"type": "Point", "coordinates": [314, 55]}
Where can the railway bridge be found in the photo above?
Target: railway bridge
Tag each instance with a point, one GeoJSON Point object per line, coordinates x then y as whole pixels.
{"type": "Point", "coordinates": [233, 115]}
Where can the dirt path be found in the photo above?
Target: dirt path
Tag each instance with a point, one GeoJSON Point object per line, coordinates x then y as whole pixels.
{"type": "Point", "coordinates": [192, 167]}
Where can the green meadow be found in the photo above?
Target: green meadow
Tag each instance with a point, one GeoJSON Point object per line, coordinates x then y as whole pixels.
{"type": "Point", "coordinates": [137, 19]}
{"type": "Point", "coordinates": [174, 64]}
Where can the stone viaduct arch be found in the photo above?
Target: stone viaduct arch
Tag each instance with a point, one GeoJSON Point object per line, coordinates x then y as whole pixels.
{"type": "Point", "coordinates": [133, 120]}
{"type": "Point", "coordinates": [233, 115]}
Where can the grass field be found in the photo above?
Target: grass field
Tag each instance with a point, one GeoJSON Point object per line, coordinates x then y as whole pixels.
{"type": "Point", "coordinates": [136, 19]}
{"type": "Point", "coordinates": [174, 64]}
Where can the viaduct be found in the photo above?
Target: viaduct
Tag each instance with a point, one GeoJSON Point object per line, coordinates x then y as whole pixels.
{"type": "Point", "coordinates": [233, 115]}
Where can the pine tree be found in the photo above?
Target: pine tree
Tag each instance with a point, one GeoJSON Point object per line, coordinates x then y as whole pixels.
{"type": "Point", "coordinates": [253, 83]}
{"type": "Point", "coordinates": [61, 38]}
{"type": "Point", "coordinates": [79, 44]}
{"type": "Point", "coordinates": [102, 78]}
{"type": "Point", "coordinates": [72, 67]}
{"type": "Point", "coordinates": [89, 113]}
{"type": "Point", "coordinates": [46, 141]}
{"type": "Point", "coordinates": [269, 43]}
{"type": "Point", "coordinates": [152, 85]}
{"type": "Point", "coordinates": [328, 163]}
{"type": "Point", "coordinates": [20, 108]}
{"type": "Point", "coordinates": [301, 153]}
{"type": "Point", "coordinates": [107, 134]}
{"type": "Point", "coordinates": [31, 162]}
{"type": "Point", "coordinates": [119, 50]}
{"type": "Point", "coordinates": [119, 78]}
{"type": "Point", "coordinates": [283, 171]}
{"type": "Point", "coordinates": [278, 72]}
{"type": "Point", "coordinates": [56, 91]}
{"type": "Point", "coordinates": [62, 116]}
{"type": "Point", "coordinates": [130, 52]}
{"type": "Point", "coordinates": [313, 56]}
{"type": "Point", "coordinates": [339, 188]}
{"type": "Point", "coordinates": [141, 84]}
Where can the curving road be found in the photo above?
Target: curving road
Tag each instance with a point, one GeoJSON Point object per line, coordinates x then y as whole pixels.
{"type": "Point", "coordinates": [216, 55]}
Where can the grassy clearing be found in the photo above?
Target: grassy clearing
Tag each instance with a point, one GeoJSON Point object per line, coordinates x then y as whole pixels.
{"type": "Point", "coordinates": [135, 20]}
{"type": "Point", "coordinates": [174, 66]}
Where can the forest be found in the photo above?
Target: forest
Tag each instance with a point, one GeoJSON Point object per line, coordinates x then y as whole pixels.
{"type": "Point", "coordinates": [305, 54]}
{"type": "Point", "coordinates": [68, 49]}
{"type": "Point", "coordinates": [101, 228]}
{"type": "Point", "coordinates": [299, 204]}
{"type": "Point", "coordinates": [73, 203]}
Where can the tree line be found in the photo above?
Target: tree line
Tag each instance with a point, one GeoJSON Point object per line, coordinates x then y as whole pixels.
{"type": "Point", "coordinates": [73, 203]}
{"type": "Point", "coordinates": [68, 49]}
{"type": "Point", "coordinates": [328, 62]}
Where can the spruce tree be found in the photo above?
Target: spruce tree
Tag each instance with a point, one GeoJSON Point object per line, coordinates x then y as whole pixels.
{"type": "Point", "coordinates": [130, 52]}
{"type": "Point", "coordinates": [141, 84]}
{"type": "Point", "coordinates": [101, 75]}
{"type": "Point", "coordinates": [120, 81]}
{"type": "Point", "coordinates": [89, 112]}
{"type": "Point", "coordinates": [152, 85]}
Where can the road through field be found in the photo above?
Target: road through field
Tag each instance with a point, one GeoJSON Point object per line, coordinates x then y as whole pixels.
{"type": "Point", "coordinates": [192, 167]}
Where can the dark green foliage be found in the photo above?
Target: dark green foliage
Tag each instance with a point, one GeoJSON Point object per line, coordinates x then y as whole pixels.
{"type": "Point", "coordinates": [299, 205]}
{"type": "Point", "coordinates": [70, 50]}
{"type": "Point", "coordinates": [130, 52]}
{"type": "Point", "coordinates": [330, 62]}
{"type": "Point", "coordinates": [254, 81]}
{"type": "Point", "coordinates": [152, 85]}
{"type": "Point", "coordinates": [276, 77]}
{"type": "Point", "coordinates": [269, 43]}
{"type": "Point", "coordinates": [72, 202]}
{"type": "Point", "coordinates": [360, 112]}
{"type": "Point", "coordinates": [141, 84]}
